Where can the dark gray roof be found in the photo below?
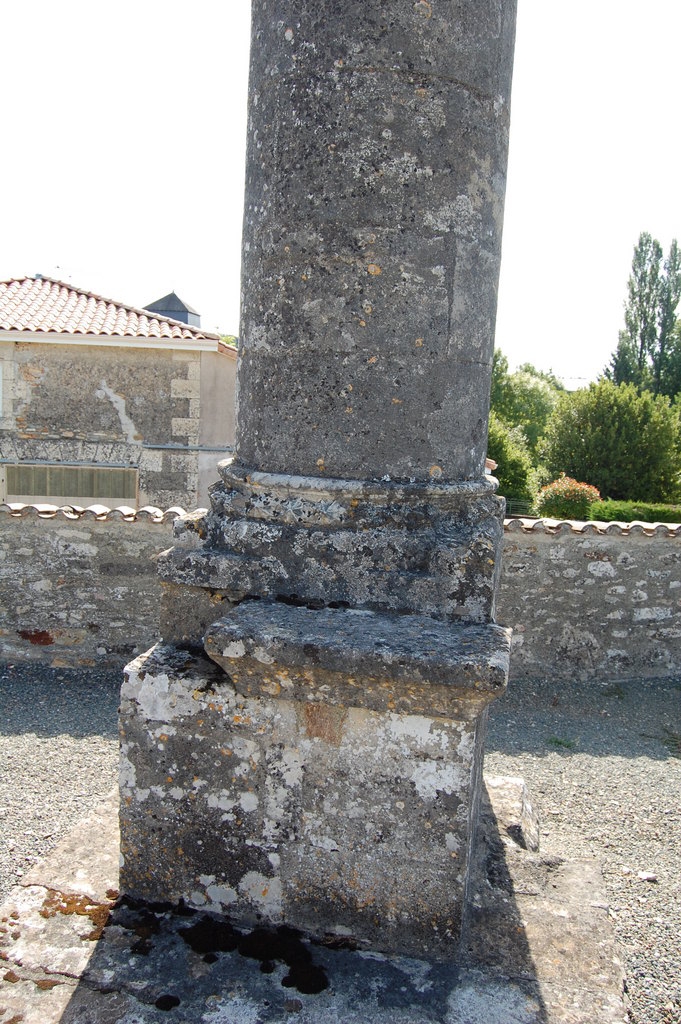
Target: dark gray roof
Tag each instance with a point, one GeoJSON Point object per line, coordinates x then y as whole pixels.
{"type": "Point", "coordinates": [170, 303]}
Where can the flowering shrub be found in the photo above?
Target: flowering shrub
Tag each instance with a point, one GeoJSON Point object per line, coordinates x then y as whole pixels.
{"type": "Point", "coordinates": [566, 498]}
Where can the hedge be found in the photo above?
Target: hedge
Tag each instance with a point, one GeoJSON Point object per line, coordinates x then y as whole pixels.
{"type": "Point", "coordinates": [629, 511]}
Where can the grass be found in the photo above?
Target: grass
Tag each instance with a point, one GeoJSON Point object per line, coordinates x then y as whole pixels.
{"type": "Point", "coordinates": [560, 744]}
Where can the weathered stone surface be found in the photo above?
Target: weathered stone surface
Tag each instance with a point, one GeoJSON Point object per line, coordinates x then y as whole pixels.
{"type": "Point", "coordinates": [596, 606]}
{"type": "Point", "coordinates": [73, 869]}
{"type": "Point", "coordinates": [410, 664]}
{"type": "Point", "coordinates": [38, 931]}
{"type": "Point", "coordinates": [276, 809]}
{"type": "Point", "coordinates": [558, 913]}
{"type": "Point", "coordinates": [79, 592]}
{"type": "Point", "coordinates": [372, 231]}
{"type": "Point", "coordinates": [421, 548]}
{"type": "Point", "coordinates": [506, 798]}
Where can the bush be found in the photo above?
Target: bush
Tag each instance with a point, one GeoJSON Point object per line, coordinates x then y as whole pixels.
{"type": "Point", "coordinates": [629, 511]}
{"type": "Point", "coordinates": [566, 498]}
{"type": "Point", "coordinates": [508, 447]}
{"type": "Point", "coordinates": [540, 477]}
{"type": "Point", "coordinates": [625, 443]}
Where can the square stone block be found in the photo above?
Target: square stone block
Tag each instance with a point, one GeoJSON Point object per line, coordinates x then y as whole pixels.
{"type": "Point", "coordinates": [338, 819]}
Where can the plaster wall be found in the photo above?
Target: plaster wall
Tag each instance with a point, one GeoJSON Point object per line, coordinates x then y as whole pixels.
{"type": "Point", "coordinates": [582, 604]}
{"type": "Point", "coordinates": [218, 392]}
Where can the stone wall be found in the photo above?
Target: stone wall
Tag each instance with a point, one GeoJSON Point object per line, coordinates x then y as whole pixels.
{"type": "Point", "coordinates": [77, 589]}
{"type": "Point", "coordinates": [584, 601]}
{"type": "Point", "coordinates": [591, 601]}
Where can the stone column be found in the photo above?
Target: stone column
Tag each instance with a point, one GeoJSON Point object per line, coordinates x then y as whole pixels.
{"type": "Point", "coordinates": [374, 199]}
{"type": "Point", "coordinates": [322, 765]}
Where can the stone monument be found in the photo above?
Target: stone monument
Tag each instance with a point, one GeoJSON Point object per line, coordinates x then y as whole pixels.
{"type": "Point", "coordinates": [305, 746]}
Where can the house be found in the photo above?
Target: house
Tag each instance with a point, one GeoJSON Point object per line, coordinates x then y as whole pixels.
{"type": "Point", "coordinates": [104, 403]}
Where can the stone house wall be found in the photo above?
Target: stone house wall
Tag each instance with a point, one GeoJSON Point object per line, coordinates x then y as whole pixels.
{"type": "Point", "coordinates": [583, 602]}
{"type": "Point", "coordinates": [151, 409]}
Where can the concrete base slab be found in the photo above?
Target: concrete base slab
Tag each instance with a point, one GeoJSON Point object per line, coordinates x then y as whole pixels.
{"type": "Point", "coordinates": [538, 950]}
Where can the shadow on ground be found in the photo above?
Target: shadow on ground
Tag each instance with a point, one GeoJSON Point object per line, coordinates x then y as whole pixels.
{"type": "Point", "coordinates": [156, 963]}
{"type": "Point", "coordinates": [53, 702]}
{"type": "Point", "coordinates": [630, 718]}
{"type": "Point", "coordinates": [76, 957]}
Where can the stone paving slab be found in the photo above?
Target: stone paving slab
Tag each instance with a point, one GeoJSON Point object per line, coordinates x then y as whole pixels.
{"type": "Point", "coordinates": [539, 950]}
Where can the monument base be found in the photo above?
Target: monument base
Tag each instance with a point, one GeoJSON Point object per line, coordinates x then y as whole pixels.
{"type": "Point", "coordinates": [262, 795]}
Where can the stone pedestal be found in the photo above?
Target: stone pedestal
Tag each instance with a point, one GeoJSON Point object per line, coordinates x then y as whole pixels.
{"type": "Point", "coordinates": [306, 746]}
{"type": "Point", "coordinates": [323, 767]}
{"type": "Point", "coordinates": [330, 781]}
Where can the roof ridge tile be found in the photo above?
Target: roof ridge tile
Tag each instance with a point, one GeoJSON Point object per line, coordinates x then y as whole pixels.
{"type": "Point", "coordinates": [519, 524]}
{"type": "Point", "coordinates": [100, 513]}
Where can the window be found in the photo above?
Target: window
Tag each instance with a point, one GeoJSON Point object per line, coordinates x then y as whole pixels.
{"type": "Point", "coordinates": [76, 484]}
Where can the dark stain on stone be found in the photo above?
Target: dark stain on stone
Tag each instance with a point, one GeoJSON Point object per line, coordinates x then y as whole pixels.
{"type": "Point", "coordinates": [340, 942]}
{"type": "Point", "coordinates": [36, 636]}
{"type": "Point", "coordinates": [285, 944]}
{"type": "Point", "coordinates": [314, 604]}
{"type": "Point", "coordinates": [312, 653]}
{"type": "Point", "coordinates": [210, 935]}
{"type": "Point", "coordinates": [167, 1002]}
{"type": "Point", "coordinates": [268, 945]}
{"type": "Point", "coordinates": [141, 921]}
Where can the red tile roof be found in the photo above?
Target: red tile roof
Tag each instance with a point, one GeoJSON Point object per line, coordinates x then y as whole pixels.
{"type": "Point", "coordinates": [42, 305]}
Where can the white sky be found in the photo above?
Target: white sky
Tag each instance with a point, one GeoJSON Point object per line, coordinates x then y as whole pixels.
{"type": "Point", "coordinates": [122, 148]}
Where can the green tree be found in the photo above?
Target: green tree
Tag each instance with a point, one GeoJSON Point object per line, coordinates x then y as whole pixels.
{"type": "Point", "coordinates": [523, 399]}
{"type": "Point", "coordinates": [649, 349]}
{"type": "Point", "coordinates": [508, 447]}
{"type": "Point", "coordinates": [623, 442]}
{"type": "Point", "coordinates": [500, 381]}
{"type": "Point", "coordinates": [667, 353]}
{"type": "Point", "coordinates": [672, 373]}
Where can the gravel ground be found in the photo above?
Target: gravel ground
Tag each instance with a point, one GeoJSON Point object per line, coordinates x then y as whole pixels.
{"type": "Point", "coordinates": [603, 765]}
{"type": "Point", "coordinates": [58, 757]}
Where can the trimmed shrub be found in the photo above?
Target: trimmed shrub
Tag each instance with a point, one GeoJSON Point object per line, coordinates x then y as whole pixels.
{"type": "Point", "coordinates": [629, 511]}
{"type": "Point", "coordinates": [566, 498]}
